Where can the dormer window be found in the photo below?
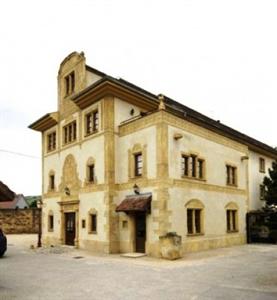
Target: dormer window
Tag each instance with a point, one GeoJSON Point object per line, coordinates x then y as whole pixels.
{"type": "Point", "coordinates": [69, 84]}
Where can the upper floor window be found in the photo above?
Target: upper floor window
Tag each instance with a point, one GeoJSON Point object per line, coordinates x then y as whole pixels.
{"type": "Point", "coordinates": [192, 166]}
{"type": "Point", "coordinates": [138, 164]}
{"type": "Point", "coordinates": [231, 172]}
{"type": "Point", "coordinates": [92, 122]}
{"type": "Point", "coordinates": [70, 133]}
{"type": "Point", "coordinates": [51, 141]}
{"type": "Point", "coordinates": [69, 84]}
{"type": "Point", "coordinates": [262, 165]}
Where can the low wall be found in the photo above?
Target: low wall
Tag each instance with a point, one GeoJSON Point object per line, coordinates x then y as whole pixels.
{"type": "Point", "coordinates": [19, 220]}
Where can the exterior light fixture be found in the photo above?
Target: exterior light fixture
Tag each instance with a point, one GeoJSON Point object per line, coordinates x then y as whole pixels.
{"type": "Point", "coordinates": [67, 191]}
{"type": "Point", "coordinates": [136, 189]}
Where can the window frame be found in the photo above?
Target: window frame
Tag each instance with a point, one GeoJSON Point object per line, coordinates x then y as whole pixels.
{"type": "Point", "coordinates": [261, 165]}
{"type": "Point", "coordinates": [92, 122]}
{"type": "Point", "coordinates": [70, 133]}
{"type": "Point", "coordinates": [69, 82]}
{"type": "Point", "coordinates": [231, 175]}
{"type": "Point", "coordinates": [50, 222]}
{"type": "Point", "coordinates": [190, 166]}
{"type": "Point", "coordinates": [195, 218]}
{"type": "Point", "coordinates": [138, 164]}
{"type": "Point", "coordinates": [231, 220]}
{"type": "Point", "coordinates": [92, 221]}
{"type": "Point", "coordinates": [51, 141]}
{"type": "Point", "coordinates": [262, 192]}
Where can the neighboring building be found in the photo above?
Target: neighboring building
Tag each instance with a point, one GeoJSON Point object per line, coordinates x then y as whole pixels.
{"type": "Point", "coordinates": [10, 200]}
{"type": "Point", "coordinates": [123, 167]}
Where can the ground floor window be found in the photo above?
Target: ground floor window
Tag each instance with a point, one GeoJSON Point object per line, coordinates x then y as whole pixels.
{"type": "Point", "coordinates": [51, 222]}
{"type": "Point", "coordinates": [194, 221]}
{"type": "Point", "coordinates": [231, 216]}
{"type": "Point", "coordinates": [92, 221]}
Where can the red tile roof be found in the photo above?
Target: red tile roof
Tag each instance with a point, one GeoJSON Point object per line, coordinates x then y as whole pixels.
{"type": "Point", "coordinates": [135, 203]}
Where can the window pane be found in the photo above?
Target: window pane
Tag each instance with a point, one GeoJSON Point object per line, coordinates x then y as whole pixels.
{"type": "Point", "coordinates": [197, 213]}
{"type": "Point", "coordinates": [228, 216]}
{"type": "Point", "coordinates": [193, 166]}
{"type": "Point", "coordinates": [93, 222]}
{"type": "Point", "coordinates": [189, 221]}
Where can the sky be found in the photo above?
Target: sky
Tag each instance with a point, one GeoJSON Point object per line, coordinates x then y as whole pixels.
{"type": "Point", "coordinates": [217, 57]}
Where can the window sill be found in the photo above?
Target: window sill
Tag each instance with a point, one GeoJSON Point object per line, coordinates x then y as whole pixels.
{"type": "Point", "coordinates": [50, 230]}
{"type": "Point", "coordinates": [194, 178]}
{"type": "Point", "coordinates": [92, 232]}
{"type": "Point", "coordinates": [232, 231]}
{"type": "Point", "coordinates": [262, 171]}
{"type": "Point", "coordinates": [91, 133]}
{"type": "Point", "coordinates": [232, 185]}
{"type": "Point", "coordinates": [195, 234]}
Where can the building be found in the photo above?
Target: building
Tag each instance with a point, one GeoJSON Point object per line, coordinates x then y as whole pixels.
{"type": "Point", "coordinates": [11, 200]}
{"type": "Point", "coordinates": [123, 167]}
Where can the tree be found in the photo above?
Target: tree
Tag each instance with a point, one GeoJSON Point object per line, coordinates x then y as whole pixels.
{"type": "Point", "coordinates": [270, 184]}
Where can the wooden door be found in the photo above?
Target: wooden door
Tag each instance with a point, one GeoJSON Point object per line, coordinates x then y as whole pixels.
{"type": "Point", "coordinates": [140, 232]}
{"type": "Point", "coordinates": [70, 229]}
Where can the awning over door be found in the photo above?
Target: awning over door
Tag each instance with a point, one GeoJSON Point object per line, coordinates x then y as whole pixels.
{"type": "Point", "coordinates": [135, 203]}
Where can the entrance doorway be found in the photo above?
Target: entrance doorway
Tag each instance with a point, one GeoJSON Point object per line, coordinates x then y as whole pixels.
{"type": "Point", "coordinates": [70, 229]}
{"type": "Point", "coordinates": [140, 224]}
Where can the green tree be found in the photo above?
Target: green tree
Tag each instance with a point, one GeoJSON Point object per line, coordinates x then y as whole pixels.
{"type": "Point", "coordinates": [270, 184]}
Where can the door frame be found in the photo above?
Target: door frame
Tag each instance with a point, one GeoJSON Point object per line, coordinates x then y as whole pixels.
{"type": "Point", "coordinates": [65, 228]}
{"type": "Point", "coordinates": [69, 206]}
{"type": "Point", "coordinates": [135, 231]}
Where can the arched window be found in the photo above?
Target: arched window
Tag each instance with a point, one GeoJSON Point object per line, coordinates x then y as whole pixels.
{"type": "Point", "coordinates": [232, 217]}
{"type": "Point", "coordinates": [195, 217]}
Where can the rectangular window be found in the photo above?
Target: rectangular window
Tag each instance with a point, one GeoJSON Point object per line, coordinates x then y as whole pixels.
{"type": "Point", "coordinates": [70, 133]}
{"type": "Point", "coordinates": [262, 165]}
{"type": "Point", "coordinates": [92, 122]}
{"type": "Point", "coordinates": [262, 192]}
{"type": "Point", "coordinates": [52, 182]}
{"type": "Point", "coordinates": [93, 223]}
{"type": "Point", "coordinates": [138, 164]}
{"type": "Point", "coordinates": [51, 141]}
{"type": "Point", "coordinates": [231, 173]}
{"type": "Point", "coordinates": [91, 173]}
{"type": "Point", "coordinates": [69, 84]}
{"type": "Point", "coordinates": [192, 166]}
{"type": "Point", "coordinates": [83, 223]}
{"type": "Point", "coordinates": [193, 221]}
{"type": "Point", "coordinates": [50, 223]}
{"type": "Point", "coordinates": [231, 216]}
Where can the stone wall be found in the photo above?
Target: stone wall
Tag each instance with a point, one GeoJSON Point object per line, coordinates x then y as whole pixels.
{"type": "Point", "coordinates": [19, 220]}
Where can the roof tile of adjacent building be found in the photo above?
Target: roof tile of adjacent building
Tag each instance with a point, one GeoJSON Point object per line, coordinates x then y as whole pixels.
{"type": "Point", "coordinates": [172, 106]}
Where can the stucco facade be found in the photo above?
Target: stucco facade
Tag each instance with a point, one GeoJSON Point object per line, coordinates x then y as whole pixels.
{"type": "Point", "coordinates": [109, 138]}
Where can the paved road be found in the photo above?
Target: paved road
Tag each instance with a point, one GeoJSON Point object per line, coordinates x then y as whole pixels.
{"type": "Point", "coordinates": [243, 272]}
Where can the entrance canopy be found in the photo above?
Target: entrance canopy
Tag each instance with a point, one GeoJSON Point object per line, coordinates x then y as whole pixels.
{"type": "Point", "coordinates": [135, 203]}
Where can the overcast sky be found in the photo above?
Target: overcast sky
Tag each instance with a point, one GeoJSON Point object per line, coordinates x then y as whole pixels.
{"type": "Point", "coordinates": [218, 57]}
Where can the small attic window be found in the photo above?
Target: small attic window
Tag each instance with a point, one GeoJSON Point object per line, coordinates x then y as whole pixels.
{"type": "Point", "coordinates": [69, 84]}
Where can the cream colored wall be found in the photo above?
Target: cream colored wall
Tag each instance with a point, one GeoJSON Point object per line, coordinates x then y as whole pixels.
{"type": "Point", "coordinates": [214, 211]}
{"type": "Point", "coordinates": [143, 137]}
{"type": "Point", "coordinates": [51, 204]}
{"type": "Point", "coordinates": [256, 179]}
{"type": "Point", "coordinates": [122, 112]}
{"type": "Point", "coordinates": [91, 78]}
{"type": "Point", "coordinates": [216, 157]}
{"type": "Point", "coordinates": [90, 201]}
